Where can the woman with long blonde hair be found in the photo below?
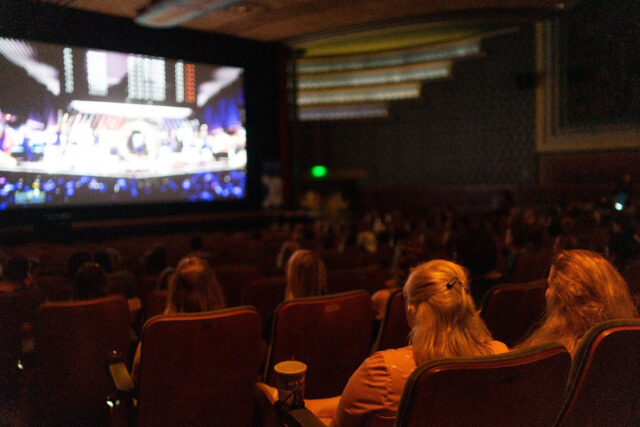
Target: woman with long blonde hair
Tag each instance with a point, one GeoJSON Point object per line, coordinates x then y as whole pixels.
{"type": "Point", "coordinates": [584, 290]}
{"type": "Point", "coordinates": [306, 275]}
{"type": "Point", "coordinates": [193, 288]}
{"type": "Point", "coordinates": [444, 322]}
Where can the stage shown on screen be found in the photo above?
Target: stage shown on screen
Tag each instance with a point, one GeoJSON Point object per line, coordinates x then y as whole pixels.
{"type": "Point", "coordinates": [91, 127]}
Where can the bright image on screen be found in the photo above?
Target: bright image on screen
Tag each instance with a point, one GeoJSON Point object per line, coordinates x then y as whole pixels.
{"type": "Point", "coordinates": [92, 127]}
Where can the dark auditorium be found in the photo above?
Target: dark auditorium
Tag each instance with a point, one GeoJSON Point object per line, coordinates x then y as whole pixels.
{"type": "Point", "coordinates": [319, 213]}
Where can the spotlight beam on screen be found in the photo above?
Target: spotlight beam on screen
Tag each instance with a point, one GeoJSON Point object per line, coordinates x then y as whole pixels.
{"type": "Point", "coordinates": [122, 109]}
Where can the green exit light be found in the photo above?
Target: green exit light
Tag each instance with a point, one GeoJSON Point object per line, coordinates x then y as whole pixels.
{"type": "Point", "coordinates": [319, 171]}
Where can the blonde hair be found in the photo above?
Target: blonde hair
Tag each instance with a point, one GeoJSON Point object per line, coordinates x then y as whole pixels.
{"type": "Point", "coordinates": [444, 319]}
{"type": "Point", "coordinates": [194, 288]}
{"type": "Point", "coordinates": [584, 290]}
{"type": "Point", "coordinates": [306, 275]}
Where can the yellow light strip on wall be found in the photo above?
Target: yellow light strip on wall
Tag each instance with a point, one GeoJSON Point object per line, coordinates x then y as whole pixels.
{"type": "Point", "coordinates": [343, 112]}
{"type": "Point", "coordinates": [390, 59]}
{"type": "Point", "coordinates": [360, 94]}
{"type": "Point", "coordinates": [406, 73]}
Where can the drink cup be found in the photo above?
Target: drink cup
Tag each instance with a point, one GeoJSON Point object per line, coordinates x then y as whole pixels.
{"type": "Point", "coordinates": [290, 378]}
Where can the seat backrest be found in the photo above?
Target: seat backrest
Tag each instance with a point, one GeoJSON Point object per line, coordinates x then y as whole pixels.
{"type": "Point", "coordinates": [265, 294]}
{"type": "Point", "coordinates": [604, 386]}
{"type": "Point", "coordinates": [631, 274]}
{"type": "Point", "coordinates": [370, 278]}
{"type": "Point", "coordinates": [519, 388]}
{"type": "Point", "coordinates": [532, 264]}
{"type": "Point", "coordinates": [155, 303]}
{"type": "Point", "coordinates": [235, 277]}
{"type": "Point", "coordinates": [394, 329]}
{"type": "Point", "coordinates": [74, 342]}
{"type": "Point", "coordinates": [330, 334]}
{"type": "Point", "coordinates": [16, 309]}
{"type": "Point", "coordinates": [199, 369]}
{"type": "Point", "coordinates": [511, 310]}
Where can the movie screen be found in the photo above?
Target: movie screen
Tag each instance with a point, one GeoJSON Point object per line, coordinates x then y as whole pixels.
{"type": "Point", "coordinates": [88, 127]}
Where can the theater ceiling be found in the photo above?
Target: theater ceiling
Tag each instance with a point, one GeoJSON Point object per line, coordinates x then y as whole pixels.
{"type": "Point", "coordinates": [294, 21]}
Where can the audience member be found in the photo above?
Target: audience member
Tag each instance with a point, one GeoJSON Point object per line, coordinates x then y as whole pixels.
{"type": "Point", "coordinates": [16, 275]}
{"type": "Point", "coordinates": [154, 260]}
{"type": "Point", "coordinates": [286, 250]}
{"type": "Point", "coordinates": [193, 288]}
{"type": "Point", "coordinates": [90, 282]}
{"type": "Point", "coordinates": [584, 290]}
{"type": "Point", "coordinates": [196, 245]}
{"type": "Point", "coordinates": [445, 323]}
{"type": "Point", "coordinates": [476, 250]}
{"type": "Point", "coordinates": [75, 260]}
{"type": "Point", "coordinates": [306, 275]}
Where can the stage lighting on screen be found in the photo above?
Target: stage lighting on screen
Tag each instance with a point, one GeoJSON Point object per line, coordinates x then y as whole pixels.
{"type": "Point", "coordinates": [89, 127]}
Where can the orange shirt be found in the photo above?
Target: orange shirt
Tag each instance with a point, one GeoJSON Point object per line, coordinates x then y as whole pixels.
{"type": "Point", "coordinates": [372, 395]}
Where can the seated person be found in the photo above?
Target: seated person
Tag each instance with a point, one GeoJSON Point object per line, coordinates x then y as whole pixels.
{"type": "Point", "coordinates": [16, 276]}
{"type": "Point", "coordinates": [90, 282]}
{"type": "Point", "coordinates": [306, 275]}
{"type": "Point", "coordinates": [584, 290]}
{"type": "Point", "coordinates": [75, 260]}
{"type": "Point", "coordinates": [193, 288]}
{"type": "Point", "coordinates": [476, 250]}
{"type": "Point", "coordinates": [444, 322]}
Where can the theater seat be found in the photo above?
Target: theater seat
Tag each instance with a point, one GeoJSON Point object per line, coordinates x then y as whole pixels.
{"type": "Point", "coordinates": [199, 369]}
{"type": "Point", "coordinates": [235, 277]}
{"type": "Point", "coordinates": [155, 303]}
{"type": "Point", "coordinates": [394, 329]}
{"type": "Point", "coordinates": [264, 294]}
{"type": "Point", "coordinates": [370, 278]}
{"type": "Point", "coordinates": [17, 313]}
{"type": "Point", "coordinates": [520, 388]}
{"type": "Point", "coordinates": [511, 310]}
{"type": "Point", "coordinates": [604, 385]}
{"type": "Point", "coordinates": [73, 344]}
{"type": "Point", "coordinates": [331, 334]}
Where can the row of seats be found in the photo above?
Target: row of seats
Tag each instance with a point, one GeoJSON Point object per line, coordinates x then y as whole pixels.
{"type": "Point", "coordinates": [182, 354]}
{"type": "Point", "coordinates": [534, 387]}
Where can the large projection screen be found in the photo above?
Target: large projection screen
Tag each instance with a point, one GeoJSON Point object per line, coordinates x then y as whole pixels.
{"type": "Point", "coordinates": [90, 127]}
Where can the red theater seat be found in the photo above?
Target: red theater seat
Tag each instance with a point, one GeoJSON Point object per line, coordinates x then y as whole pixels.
{"type": "Point", "coordinates": [330, 334]}
{"type": "Point", "coordinates": [532, 264]}
{"type": "Point", "coordinates": [234, 278]}
{"type": "Point", "coordinates": [394, 329]}
{"type": "Point", "coordinates": [510, 310]}
{"type": "Point", "coordinates": [74, 342]}
{"type": "Point", "coordinates": [604, 386]}
{"type": "Point", "coordinates": [155, 303]}
{"type": "Point", "coordinates": [370, 278]}
{"type": "Point", "coordinates": [265, 294]}
{"type": "Point", "coordinates": [520, 388]}
{"type": "Point", "coordinates": [16, 310]}
{"type": "Point", "coordinates": [199, 369]}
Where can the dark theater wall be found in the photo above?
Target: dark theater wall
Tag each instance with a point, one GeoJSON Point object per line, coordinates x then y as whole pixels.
{"type": "Point", "coordinates": [476, 128]}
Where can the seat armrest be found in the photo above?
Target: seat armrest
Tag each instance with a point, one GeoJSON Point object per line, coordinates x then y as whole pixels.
{"type": "Point", "coordinates": [121, 376]}
{"type": "Point", "coordinates": [302, 418]}
{"type": "Point", "coordinates": [274, 414]}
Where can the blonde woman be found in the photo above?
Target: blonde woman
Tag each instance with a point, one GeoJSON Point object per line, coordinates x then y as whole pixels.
{"type": "Point", "coordinates": [306, 275]}
{"type": "Point", "coordinates": [193, 288]}
{"type": "Point", "coordinates": [444, 322]}
{"type": "Point", "coordinates": [584, 290]}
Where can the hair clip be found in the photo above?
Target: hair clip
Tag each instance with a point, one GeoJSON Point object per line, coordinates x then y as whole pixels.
{"type": "Point", "coordinates": [451, 283]}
